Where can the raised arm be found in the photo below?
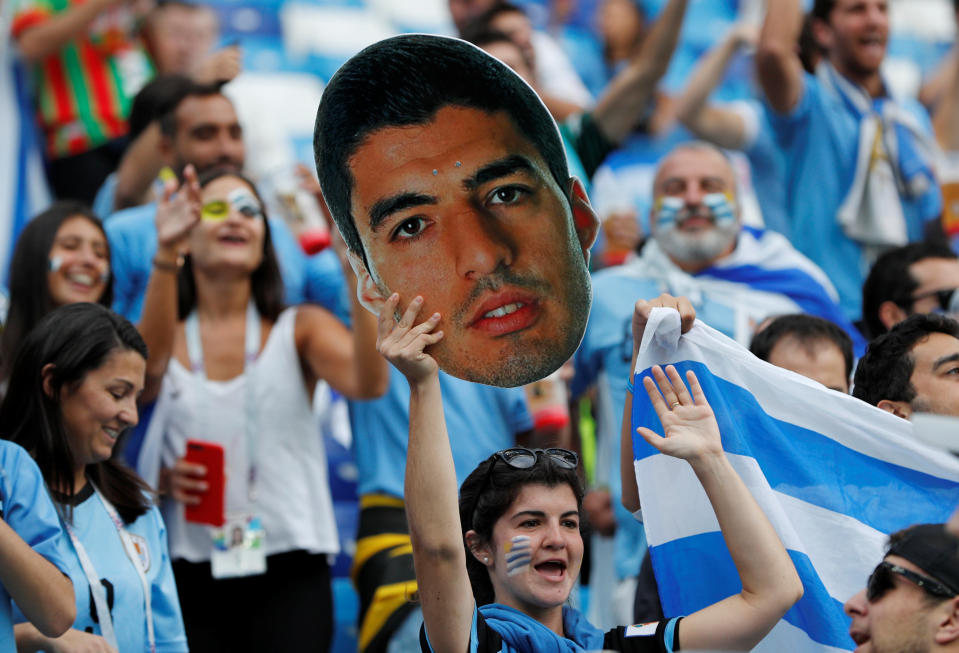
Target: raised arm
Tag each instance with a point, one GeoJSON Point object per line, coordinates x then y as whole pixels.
{"type": "Point", "coordinates": [345, 358]}
{"type": "Point", "coordinates": [176, 216]}
{"type": "Point", "coordinates": [715, 124]}
{"type": "Point", "coordinates": [138, 169]}
{"type": "Point", "coordinates": [641, 311]}
{"type": "Point", "coordinates": [770, 582]}
{"type": "Point", "coordinates": [55, 31]}
{"type": "Point", "coordinates": [629, 93]}
{"type": "Point", "coordinates": [432, 508]}
{"type": "Point", "coordinates": [777, 63]}
{"type": "Point", "coordinates": [945, 120]}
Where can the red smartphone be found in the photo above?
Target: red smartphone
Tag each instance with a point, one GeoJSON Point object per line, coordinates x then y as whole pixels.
{"type": "Point", "coordinates": [210, 510]}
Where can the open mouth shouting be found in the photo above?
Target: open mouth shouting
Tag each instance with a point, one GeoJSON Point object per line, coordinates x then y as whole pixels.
{"type": "Point", "coordinates": [553, 570]}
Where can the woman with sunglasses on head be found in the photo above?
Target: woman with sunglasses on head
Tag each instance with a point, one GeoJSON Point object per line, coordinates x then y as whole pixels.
{"type": "Point", "coordinates": [62, 256]}
{"type": "Point", "coordinates": [238, 370]}
{"type": "Point", "coordinates": [73, 392]}
{"type": "Point", "coordinates": [496, 569]}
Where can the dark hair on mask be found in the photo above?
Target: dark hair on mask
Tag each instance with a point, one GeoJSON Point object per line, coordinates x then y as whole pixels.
{"type": "Point", "coordinates": [885, 371]}
{"type": "Point", "coordinates": [30, 296]}
{"type": "Point", "coordinates": [497, 496]}
{"type": "Point", "coordinates": [267, 284]}
{"type": "Point", "coordinates": [75, 339]}
{"type": "Point", "coordinates": [808, 330]}
{"type": "Point", "coordinates": [404, 81]}
{"type": "Point", "coordinates": [889, 280]}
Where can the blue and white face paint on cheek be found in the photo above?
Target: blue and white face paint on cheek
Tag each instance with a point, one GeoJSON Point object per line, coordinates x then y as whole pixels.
{"type": "Point", "coordinates": [518, 555]}
{"type": "Point", "coordinates": [667, 211]}
{"type": "Point", "coordinates": [55, 263]}
{"type": "Point", "coordinates": [722, 206]}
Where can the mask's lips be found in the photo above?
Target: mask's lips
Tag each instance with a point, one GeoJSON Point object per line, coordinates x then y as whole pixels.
{"type": "Point", "coordinates": [506, 311]}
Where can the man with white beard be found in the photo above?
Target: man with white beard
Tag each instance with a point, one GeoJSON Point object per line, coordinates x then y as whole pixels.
{"type": "Point", "coordinates": [735, 277]}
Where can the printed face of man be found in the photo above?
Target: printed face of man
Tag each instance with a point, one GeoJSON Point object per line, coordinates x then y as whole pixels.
{"type": "Point", "coordinates": [464, 212]}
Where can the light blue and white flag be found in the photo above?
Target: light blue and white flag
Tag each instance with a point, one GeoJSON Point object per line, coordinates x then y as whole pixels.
{"type": "Point", "coordinates": [23, 185]}
{"type": "Point", "coordinates": [833, 474]}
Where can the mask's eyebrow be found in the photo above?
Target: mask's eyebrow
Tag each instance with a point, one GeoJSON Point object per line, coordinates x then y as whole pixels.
{"type": "Point", "coordinates": [499, 168]}
{"type": "Point", "coordinates": [386, 207]}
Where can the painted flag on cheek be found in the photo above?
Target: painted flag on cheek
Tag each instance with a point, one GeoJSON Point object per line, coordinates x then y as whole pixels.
{"type": "Point", "coordinates": [834, 475]}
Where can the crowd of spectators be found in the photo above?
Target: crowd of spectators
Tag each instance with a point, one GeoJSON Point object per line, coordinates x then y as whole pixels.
{"type": "Point", "coordinates": [765, 160]}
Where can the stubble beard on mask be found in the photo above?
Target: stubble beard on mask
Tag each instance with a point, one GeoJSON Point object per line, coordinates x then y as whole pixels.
{"type": "Point", "coordinates": [697, 247]}
{"type": "Point", "coordinates": [538, 359]}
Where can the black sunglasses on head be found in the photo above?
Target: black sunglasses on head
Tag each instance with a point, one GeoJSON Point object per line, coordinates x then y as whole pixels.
{"type": "Point", "coordinates": [522, 458]}
{"type": "Point", "coordinates": [880, 582]}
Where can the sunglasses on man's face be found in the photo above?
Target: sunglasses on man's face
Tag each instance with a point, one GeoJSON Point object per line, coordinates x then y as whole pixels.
{"type": "Point", "coordinates": [881, 581]}
{"type": "Point", "coordinates": [948, 300]}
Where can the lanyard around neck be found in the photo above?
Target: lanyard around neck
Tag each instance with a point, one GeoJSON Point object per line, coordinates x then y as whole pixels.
{"type": "Point", "coordinates": [93, 578]}
{"type": "Point", "coordinates": [203, 404]}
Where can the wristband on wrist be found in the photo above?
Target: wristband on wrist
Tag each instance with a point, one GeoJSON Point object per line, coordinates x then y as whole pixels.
{"type": "Point", "coordinates": [629, 386]}
{"type": "Point", "coordinates": [168, 266]}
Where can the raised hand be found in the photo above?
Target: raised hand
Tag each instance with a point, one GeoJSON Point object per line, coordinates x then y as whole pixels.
{"type": "Point", "coordinates": [642, 309]}
{"type": "Point", "coordinates": [688, 422]}
{"type": "Point", "coordinates": [178, 211]}
{"type": "Point", "coordinates": [403, 344]}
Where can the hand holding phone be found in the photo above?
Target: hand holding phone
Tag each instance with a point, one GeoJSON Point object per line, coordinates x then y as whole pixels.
{"type": "Point", "coordinates": [198, 480]}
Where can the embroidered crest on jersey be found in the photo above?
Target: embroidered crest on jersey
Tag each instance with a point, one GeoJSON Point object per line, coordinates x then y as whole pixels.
{"type": "Point", "coordinates": [143, 551]}
{"type": "Point", "coordinates": [641, 630]}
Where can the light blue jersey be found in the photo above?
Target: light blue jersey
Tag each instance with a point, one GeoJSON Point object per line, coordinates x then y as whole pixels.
{"type": "Point", "coordinates": [481, 420]}
{"type": "Point", "coordinates": [133, 244]}
{"type": "Point", "coordinates": [99, 537]}
{"type": "Point", "coordinates": [820, 139]}
{"type": "Point", "coordinates": [28, 510]}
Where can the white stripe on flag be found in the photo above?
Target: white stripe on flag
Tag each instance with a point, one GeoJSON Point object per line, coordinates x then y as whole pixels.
{"type": "Point", "coordinates": [786, 638]}
{"type": "Point", "coordinates": [684, 511]}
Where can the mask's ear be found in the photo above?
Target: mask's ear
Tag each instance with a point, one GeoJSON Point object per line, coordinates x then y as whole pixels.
{"type": "Point", "coordinates": [898, 408]}
{"type": "Point", "coordinates": [584, 218]}
{"type": "Point", "coordinates": [367, 290]}
{"type": "Point", "coordinates": [46, 378]}
{"type": "Point", "coordinates": [480, 551]}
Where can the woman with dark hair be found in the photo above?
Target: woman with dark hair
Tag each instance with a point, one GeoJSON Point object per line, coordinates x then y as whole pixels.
{"type": "Point", "coordinates": [73, 391]}
{"type": "Point", "coordinates": [238, 370]}
{"type": "Point", "coordinates": [496, 571]}
{"type": "Point", "coordinates": [62, 256]}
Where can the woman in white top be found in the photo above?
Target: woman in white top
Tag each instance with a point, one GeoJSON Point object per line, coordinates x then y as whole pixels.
{"type": "Point", "coordinates": [238, 370]}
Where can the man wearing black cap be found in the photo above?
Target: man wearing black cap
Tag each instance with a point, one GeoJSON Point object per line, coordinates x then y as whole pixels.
{"type": "Point", "coordinates": [910, 603]}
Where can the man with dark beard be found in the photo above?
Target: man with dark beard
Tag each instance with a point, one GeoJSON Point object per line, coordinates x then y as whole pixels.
{"type": "Point", "coordinates": [734, 276]}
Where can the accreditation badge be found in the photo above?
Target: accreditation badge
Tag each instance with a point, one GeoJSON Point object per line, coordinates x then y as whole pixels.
{"type": "Point", "coordinates": [239, 547]}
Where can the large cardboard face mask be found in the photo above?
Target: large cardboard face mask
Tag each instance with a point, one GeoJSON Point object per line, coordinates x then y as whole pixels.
{"type": "Point", "coordinates": [463, 211]}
